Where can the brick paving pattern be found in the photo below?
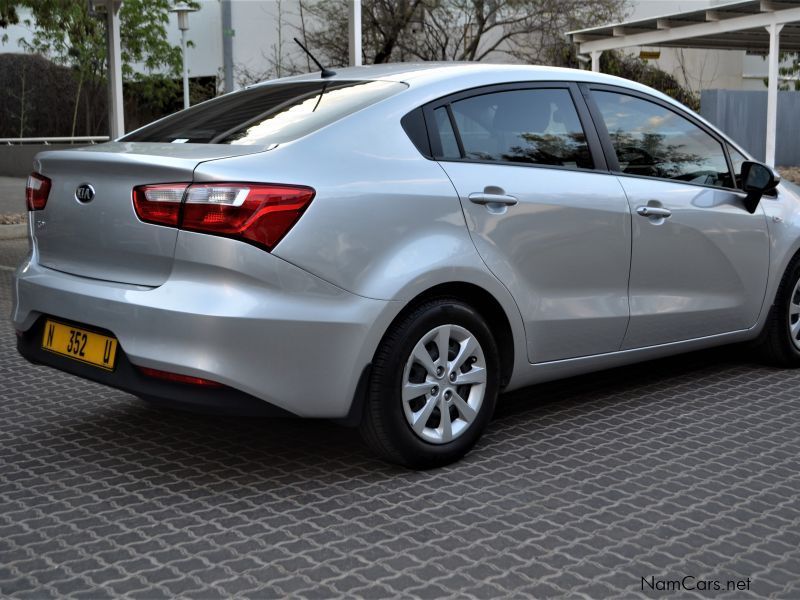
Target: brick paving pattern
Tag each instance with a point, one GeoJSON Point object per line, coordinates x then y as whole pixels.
{"type": "Point", "coordinates": [12, 252]}
{"type": "Point", "coordinates": [687, 466]}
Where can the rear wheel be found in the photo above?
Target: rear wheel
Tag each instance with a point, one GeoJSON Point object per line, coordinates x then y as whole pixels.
{"type": "Point", "coordinates": [433, 386]}
{"type": "Point", "coordinates": [780, 340]}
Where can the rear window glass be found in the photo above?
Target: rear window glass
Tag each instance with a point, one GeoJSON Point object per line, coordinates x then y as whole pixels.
{"type": "Point", "coordinates": [266, 114]}
{"type": "Point", "coordinates": [446, 134]}
{"type": "Point", "coordinates": [535, 126]}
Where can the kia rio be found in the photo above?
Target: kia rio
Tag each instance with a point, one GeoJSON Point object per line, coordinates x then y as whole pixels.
{"type": "Point", "coordinates": [392, 246]}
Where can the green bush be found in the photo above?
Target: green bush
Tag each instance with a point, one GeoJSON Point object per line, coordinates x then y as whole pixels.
{"type": "Point", "coordinates": [38, 99]}
{"type": "Point", "coordinates": [636, 69]}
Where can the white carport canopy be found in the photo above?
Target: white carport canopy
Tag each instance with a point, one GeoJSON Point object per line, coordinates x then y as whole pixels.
{"type": "Point", "coordinates": [760, 26]}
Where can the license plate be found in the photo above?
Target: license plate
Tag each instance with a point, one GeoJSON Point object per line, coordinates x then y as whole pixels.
{"type": "Point", "coordinates": [79, 344]}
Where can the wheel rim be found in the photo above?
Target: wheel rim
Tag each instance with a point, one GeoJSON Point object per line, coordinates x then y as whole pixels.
{"type": "Point", "coordinates": [444, 383]}
{"type": "Point", "coordinates": [794, 315]}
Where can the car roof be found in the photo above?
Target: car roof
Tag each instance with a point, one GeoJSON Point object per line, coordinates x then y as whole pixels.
{"type": "Point", "coordinates": [420, 73]}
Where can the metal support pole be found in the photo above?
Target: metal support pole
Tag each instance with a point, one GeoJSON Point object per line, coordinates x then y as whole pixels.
{"type": "Point", "coordinates": [355, 33]}
{"type": "Point", "coordinates": [227, 45]}
{"type": "Point", "coordinates": [772, 91]}
{"type": "Point", "coordinates": [596, 60]}
{"type": "Point", "coordinates": [116, 114]}
{"type": "Point", "coordinates": [185, 70]}
{"type": "Point", "coordinates": [183, 9]}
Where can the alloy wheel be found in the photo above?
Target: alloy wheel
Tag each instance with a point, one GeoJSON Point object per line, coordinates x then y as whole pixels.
{"type": "Point", "coordinates": [444, 383]}
{"type": "Point", "coordinates": [794, 315]}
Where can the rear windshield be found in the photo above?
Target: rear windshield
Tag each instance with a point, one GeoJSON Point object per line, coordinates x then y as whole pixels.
{"type": "Point", "coordinates": [266, 114]}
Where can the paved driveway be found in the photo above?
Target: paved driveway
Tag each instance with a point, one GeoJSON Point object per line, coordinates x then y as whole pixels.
{"type": "Point", "coordinates": [684, 467]}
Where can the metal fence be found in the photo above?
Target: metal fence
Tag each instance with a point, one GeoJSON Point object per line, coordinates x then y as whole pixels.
{"type": "Point", "coordinates": [16, 154]}
{"type": "Point", "coordinates": [743, 116]}
{"type": "Point", "coordinates": [81, 139]}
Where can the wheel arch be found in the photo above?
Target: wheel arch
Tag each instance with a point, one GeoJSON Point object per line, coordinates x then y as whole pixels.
{"type": "Point", "coordinates": [487, 306]}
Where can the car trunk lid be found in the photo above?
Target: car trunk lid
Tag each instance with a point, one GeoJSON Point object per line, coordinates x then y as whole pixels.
{"type": "Point", "coordinates": [102, 238]}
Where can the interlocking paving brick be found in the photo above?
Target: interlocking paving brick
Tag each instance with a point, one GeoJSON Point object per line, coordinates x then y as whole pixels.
{"type": "Point", "coordinates": [688, 467]}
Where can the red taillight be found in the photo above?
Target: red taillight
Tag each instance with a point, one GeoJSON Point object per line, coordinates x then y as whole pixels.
{"type": "Point", "coordinates": [159, 204]}
{"type": "Point", "coordinates": [36, 191]}
{"type": "Point", "coordinates": [258, 213]}
{"type": "Point", "coordinates": [177, 378]}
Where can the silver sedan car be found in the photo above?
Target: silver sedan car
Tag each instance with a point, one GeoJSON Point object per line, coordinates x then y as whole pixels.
{"type": "Point", "coordinates": [393, 246]}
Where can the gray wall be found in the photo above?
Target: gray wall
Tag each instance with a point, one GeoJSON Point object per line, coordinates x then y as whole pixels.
{"type": "Point", "coordinates": [743, 116]}
{"type": "Point", "coordinates": [17, 160]}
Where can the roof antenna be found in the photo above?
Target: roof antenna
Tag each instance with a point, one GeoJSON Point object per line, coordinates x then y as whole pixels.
{"type": "Point", "coordinates": [325, 72]}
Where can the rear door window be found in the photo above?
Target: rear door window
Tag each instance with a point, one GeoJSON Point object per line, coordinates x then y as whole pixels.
{"type": "Point", "coordinates": [532, 126]}
{"type": "Point", "coordinates": [266, 114]}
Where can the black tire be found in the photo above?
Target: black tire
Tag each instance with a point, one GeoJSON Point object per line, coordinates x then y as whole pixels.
{"type": "Point", "coordinates": [384, 425]}
{"type": "Point", "coordinates": [775, 343]}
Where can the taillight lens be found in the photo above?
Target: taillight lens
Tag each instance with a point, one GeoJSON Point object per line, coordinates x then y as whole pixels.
{"type": "Point", "coordinates": [159, 204]}
{"type": "Point", "coordinates": [261, 214]}
{"type": "Point", "coordinates": [36, 191]}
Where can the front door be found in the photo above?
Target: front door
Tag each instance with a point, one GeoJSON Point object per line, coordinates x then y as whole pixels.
{"type": "Point", "coordinates": [700, 259]}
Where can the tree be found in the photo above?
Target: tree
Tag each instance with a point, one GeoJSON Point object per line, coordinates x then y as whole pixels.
{"type": "Point", "coordinates": [8, 13]}
{"type": "Point", "coordinates": [280, 61]}
{"type": "Point", "coordinates": [634, 68]}
{"type": "Point", "coordinates": [68, 34]}
{"type": "Point", "coordinates": [530, 31]}
{"type": "Point", "coordinates": [27, 82]}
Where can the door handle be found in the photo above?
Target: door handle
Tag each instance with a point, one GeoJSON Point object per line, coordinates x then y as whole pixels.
{"type": "Point", "coordinates": [653, 211]}
{"type": "Point", "coordinates": [484, 198]}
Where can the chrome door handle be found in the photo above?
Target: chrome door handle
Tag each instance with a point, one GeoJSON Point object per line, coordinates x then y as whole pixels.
{"type": "Point", "coordinates": [484, 198]}
{"type": "Point", "coordinates": [653, 211]}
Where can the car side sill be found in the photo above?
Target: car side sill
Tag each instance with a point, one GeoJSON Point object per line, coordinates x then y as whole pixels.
{"type": "Point", "coordinates": [558, 369]}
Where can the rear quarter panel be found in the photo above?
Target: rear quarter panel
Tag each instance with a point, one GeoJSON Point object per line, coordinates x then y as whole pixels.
{"type": "Point", "coordinates": [386, 223]}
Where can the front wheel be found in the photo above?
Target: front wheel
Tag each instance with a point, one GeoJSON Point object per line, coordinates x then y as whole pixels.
{"type": "Point", "coordinates": [433, 386]}
{"type": "Point", "coordinates": [780, 341]}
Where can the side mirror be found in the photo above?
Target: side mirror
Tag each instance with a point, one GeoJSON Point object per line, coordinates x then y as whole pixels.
{"type": "Point", "coordinates": [757, 180]}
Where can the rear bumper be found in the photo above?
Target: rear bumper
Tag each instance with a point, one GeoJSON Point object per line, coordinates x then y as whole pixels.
{"type": "Point", "coordinates": [277, 334]}
{"type": "Point", "coordinates": [128, 378]}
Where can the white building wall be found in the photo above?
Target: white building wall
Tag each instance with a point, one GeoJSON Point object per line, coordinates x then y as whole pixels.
{"type": "Point", "coordinates": [204, 57]}
{"type": "Point", "coordinates": [11, 36]}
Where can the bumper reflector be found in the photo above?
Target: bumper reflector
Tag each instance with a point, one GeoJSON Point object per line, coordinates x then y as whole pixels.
{"type": "Point", "coordinates": [177, 378]}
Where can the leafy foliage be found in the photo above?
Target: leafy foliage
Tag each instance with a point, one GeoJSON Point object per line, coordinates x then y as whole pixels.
{"type": "Point", "coordinates": [8, 13]}
{"type": "Point", "coordinates": [26, 97]}
{"type": "Point", "coordinates": [67, 33]}
{"type": "Point", "coordinates": [30, 108]}
{"type": "Point", "coordinates": [636, 69]}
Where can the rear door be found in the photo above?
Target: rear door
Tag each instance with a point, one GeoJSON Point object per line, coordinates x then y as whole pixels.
{"type": "Point", "coordinates": [543, 212]}
{"type": "Point", "coordinates": [700, 259]}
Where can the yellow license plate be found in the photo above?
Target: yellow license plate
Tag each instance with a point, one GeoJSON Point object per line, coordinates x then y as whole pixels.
{"type": "Point", "coordinates": [86, 346]}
